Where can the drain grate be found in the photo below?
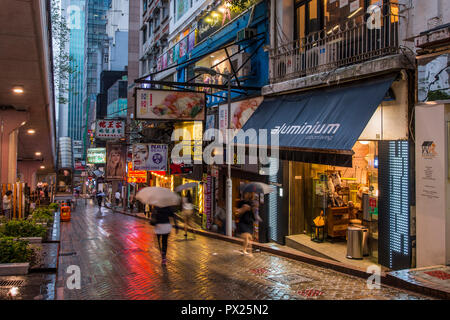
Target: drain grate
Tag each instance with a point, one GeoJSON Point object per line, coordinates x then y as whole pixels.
{"type": "Point", "coordinates": [11, 283]}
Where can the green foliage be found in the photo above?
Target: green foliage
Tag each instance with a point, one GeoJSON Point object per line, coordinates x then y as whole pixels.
{"type": "Point", "coordinates": [42, 215]}
{"type": "Point", "coordinates": [23, 228]}
{"type": "Point", "coordinates": [240, 5]}
{"type": "Point", "coordinates": [437, 95]}
{"type": "Point", "coordinates": [53, 205]}
{"type": "Point", "coordinates": [15, 251]}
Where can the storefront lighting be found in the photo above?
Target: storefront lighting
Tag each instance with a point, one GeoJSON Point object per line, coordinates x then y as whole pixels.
{"type": "Point", "coordinates": [215, 15]}
{"type": "Point", "coordinates": [364, 142]}
{"type": "Point", "coordinates": [38, 154]}
{"type": "Point", "coordinates": [222, 9]}
{"type": "Point", "coordinates": [42, 167]}
{"type": "Point", "coordinates": [31, 131]}
{"type": "Point", "coordinates": [18, 89]}
{"type": "Point", "coordinates": [354, 13]}
{"type": "Point", "coordinates": [209, 20]}
{"type": "Point", "coordinates": [281, 192]}
{"type": "Point", "coordinates": [23, 123]}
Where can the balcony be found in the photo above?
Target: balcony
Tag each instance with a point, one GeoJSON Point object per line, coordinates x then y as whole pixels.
{"type": "Point", "coordinates": [361, 39]}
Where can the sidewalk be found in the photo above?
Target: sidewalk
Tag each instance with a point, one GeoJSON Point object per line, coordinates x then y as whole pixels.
{"type": "Point", "coordinates": [403, 279]}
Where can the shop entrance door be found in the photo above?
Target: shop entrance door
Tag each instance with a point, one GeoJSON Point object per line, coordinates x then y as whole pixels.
{"type": "Point", "coordinates": [297, 222]}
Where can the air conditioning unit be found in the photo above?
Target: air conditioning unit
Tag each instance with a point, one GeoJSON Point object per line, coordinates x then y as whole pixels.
{"type": "Point", "coordinates": [245, 34]}
{"type": "Point", "coordinates": [238, 60]}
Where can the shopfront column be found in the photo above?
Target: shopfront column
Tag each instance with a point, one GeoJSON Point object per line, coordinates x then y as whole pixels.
{"type": "Point", "coordinates": [10, 122]}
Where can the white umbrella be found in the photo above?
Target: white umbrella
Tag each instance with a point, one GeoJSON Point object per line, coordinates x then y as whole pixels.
{"type": "Point", "coordinates": [185, 186]}
{"type": "Point", "coordinates": [258, 187]}
{"type": "Point", "coordinates": [159, 197]}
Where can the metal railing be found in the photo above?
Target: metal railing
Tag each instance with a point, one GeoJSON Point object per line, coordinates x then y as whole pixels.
{"type": "Point", "coordinates": [360, 39]}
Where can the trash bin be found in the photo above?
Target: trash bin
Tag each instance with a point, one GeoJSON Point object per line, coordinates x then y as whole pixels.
{"type": "Point", "coordinates": [354, 243]}
{"type": "Point", "coordinates": [365, 241]}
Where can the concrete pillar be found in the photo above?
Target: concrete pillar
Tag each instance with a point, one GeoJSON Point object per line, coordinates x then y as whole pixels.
{"type": "Point", "coordinates": [10, 122]}
{"type": "Point", "coordinates": [29, 169]}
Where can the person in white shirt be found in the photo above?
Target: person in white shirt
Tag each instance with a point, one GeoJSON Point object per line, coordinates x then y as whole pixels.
{"type": "Point", "coordinates": [7, 204]}
{"type": "Point", "coordinates": [188, 211]}
{"type": "Point", "coordinates": [117, 198]}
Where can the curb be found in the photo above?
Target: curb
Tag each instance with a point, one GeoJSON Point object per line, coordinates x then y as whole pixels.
{"type": "Point", "coordinates": [385, 278]}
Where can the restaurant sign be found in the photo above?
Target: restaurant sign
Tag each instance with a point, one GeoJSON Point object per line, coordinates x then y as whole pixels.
{"type": "Point", "coordinates": [110, 129]}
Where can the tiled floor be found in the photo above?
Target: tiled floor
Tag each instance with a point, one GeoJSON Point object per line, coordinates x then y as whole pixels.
{"type": "Point", "coordinates": [119, 259]}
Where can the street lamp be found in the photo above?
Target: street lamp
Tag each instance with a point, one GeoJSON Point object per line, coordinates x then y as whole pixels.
{"type": "Point", "coordinates": [229, 213]}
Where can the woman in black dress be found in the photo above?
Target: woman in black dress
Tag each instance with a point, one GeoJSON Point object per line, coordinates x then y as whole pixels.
{"type": "Point", "coordinates": [245, 212]}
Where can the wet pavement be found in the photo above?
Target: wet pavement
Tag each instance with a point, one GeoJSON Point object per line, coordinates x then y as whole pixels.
{"type": "Point", "coordinates": [119, 258]}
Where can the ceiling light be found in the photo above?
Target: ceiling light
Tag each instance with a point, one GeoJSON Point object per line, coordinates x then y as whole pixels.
{"type": "Point", "coordinates": [18, 89]}
{"type": "Point", "coordinates": [38, 154]}
{"type": "Point", "coordinates": [42, 167]}
{"type": "Point", "coordinates": [23, 123]}
{"type": "Point", "coordinates": [31, 131]}
{"type": "Point", "coordinates": [364, 142]}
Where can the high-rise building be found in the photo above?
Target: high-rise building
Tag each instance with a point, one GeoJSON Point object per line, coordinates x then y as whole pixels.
{"type": "Point", "coordinates": [75, 22]}
{"type": "Point", "coordinates": [96, 56]}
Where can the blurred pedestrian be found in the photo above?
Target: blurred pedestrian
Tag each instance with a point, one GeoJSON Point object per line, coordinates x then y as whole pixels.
{"type": "Point", "coordinates": [161, 219]}
{"type": "Point", "coordinates": [219, 220]}
{"type": "Point", "coordinates": [188, 211]}
{"type": "Point", "coordinates": [7, 204]}
{"type": "Point", "coordinates": [246, 214]}
{"type": "Point", "coordinates": [117, 196]}
{"type": "Point", "coordinates": [100, 196]}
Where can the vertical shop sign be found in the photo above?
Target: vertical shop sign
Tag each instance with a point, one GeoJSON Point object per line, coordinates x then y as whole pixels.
{"type": "Point", "coordinates": [208, 195]}
{"type": "Point", "coordinates": [223, 121]}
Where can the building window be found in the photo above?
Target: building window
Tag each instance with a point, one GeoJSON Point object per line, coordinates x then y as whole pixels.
{"type": "Point", "coordinates": [308, 17]}
{"type": "Point", "coordinates": [144, 5]}
{"type": "Point", "coordinates": [144, 34]}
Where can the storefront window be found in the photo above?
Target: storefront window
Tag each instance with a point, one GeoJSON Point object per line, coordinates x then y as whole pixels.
{"type": "Point", "coordinates": [219, 62]}
{"type": "Point", "coordinates": [346, 196]}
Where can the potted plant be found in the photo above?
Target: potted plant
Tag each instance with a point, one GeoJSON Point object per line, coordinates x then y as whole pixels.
{"type": "Point", "coordinates": [42, 216]}
{"type": "Point", "coordinates": [15, 256]}
{"type": "Point", "coordinates": [24, 229]}
{"type": "Point", "coordinates": [53, 207]}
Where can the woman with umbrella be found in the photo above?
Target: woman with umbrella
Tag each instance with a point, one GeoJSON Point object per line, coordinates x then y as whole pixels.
{"type": "Point", "coordinates": [248, 212]}
{"type": "Point", "coordinates": [163, 200]}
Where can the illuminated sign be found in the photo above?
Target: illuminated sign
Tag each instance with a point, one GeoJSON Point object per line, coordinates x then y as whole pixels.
{"type": "Point", "coordinates": [110, 129]}
{"type": "Point", "coordinates": [96, 155]}
{"type": "Point", "coordinates": [136, 176]}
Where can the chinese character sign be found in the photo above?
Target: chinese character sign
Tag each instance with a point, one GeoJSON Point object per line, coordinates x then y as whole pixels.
{"type": "Point", "coordinates": [110, 129]}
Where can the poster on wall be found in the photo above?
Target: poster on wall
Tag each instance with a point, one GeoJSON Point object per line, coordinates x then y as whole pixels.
{"type": "Point", "coordinates": [433, 81]}
{"type": "Point", "coordinates": [210, 124]}
{"type": "Point", "coordinates": [115, 161]}
{"type": "Point", "coordinates": [191, 41]}
{"type": "Point", "coordinates": [176, 52]}
{"type": "Point", "coordinates": [150, 157]}
{"type": "Point", "coordinates": [170, 56]}
{"type": "Point", "coordinates": [170, 105]}
{"type": "Point", "coordinates": [183, 47]}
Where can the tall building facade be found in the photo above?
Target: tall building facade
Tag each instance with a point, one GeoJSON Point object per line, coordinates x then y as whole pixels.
{"type": "Point", "coordinates": [75, 22]}
{"type": "Point", "coordinates": [96, 53]}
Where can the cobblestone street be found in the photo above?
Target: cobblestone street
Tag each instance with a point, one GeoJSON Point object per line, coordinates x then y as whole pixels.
{"type": "Point", "coordinates": [119, 259]}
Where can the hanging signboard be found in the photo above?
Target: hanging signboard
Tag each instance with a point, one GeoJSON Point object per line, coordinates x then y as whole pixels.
{"type": "Point", "coordinates": [136, 176]}
{"type": "Point", "coordinates": [110, 129]}
{"type": "Point", "coordinates": [96, 155]}
{"type": "Point", "coordinates": [150, 157]}
{"type": "Point", "coordinates": [169, 105]}
{"type": "Point", "coordinates": [115, 161]}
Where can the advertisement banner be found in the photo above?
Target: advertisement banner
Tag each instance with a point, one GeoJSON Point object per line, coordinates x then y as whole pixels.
{"type": "Point", "coordinates": [96, 155]}
{"type": "Point", "coordinates": [110, 129]}
{"type": "Point", "coordinates": [170, 105]}
{"type": "Point", "coordinates": [242, 111]}
{"type": "Point", "coordinates": [116, 161]}
{"type": "Point", "coordinates": [210, 124]}
{"type": "Point", "coordinates": [150, 157]}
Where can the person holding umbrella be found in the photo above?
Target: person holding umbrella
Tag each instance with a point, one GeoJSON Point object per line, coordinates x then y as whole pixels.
{"type": "Point", "coordinates": [188, 211]}
{"type": "Point", "coordinates": [163, 200]}
{"type": "Point", "coordinates": [245, 212]}
{"type": "Point", "coordinates": [100, 196]}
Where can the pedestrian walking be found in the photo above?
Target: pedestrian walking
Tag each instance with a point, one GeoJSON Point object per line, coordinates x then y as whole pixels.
{"type": "Point", "coordinates": [161, 220]}
{"type": "Point", "coordinates": [188, 211]}
{"type": "Point", "coordinates": [246, 211]}
{"type": "Point", "coordinates": [100, 196]}
{"type": "Point", "coordinates": [7, 204]}
{"type": "Point", "coordinates": [117, 198]}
